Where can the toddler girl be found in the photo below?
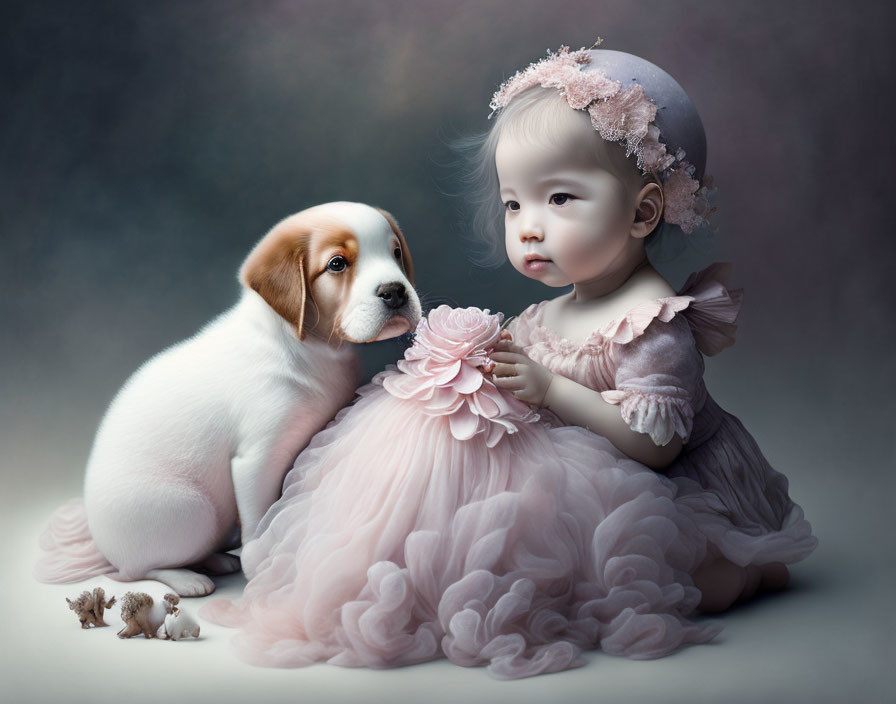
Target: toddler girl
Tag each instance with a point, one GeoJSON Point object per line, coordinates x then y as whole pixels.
{"type": "Point", "coordinates": [584, 179]}
{"type": "Point", "coordinates": [462, 506]}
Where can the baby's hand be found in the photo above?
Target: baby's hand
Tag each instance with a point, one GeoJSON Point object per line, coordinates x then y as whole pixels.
{"type": "Point", "coordinates": [515, 372]}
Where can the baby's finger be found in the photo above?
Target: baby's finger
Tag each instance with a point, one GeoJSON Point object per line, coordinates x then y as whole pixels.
{"type": "Point", "coordinates": [507, 357]}
{"type": "Point", "coordinates": [510, 383]}
{"type": "Point", "coordinates": [508, 346]}
{"type": "Point", "coordinates": [503, 370]}
{"type": "Point", "coordinates": [505, 335]}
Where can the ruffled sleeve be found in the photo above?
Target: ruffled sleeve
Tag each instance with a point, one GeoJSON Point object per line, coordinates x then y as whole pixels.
{"type": "Point", "coordinates": [712, 313]}
{"type": "Point", "coordinates": [659, 373]}
{"type": "Point", "coordinates": [659, 381]}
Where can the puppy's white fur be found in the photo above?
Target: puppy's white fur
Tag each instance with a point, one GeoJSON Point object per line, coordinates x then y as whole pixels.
{"type": "Point", "coordinates": [194, 448]}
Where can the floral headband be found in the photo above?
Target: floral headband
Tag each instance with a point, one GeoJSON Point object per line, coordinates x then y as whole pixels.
{"type": "Point", "coordinates": [624, 115]}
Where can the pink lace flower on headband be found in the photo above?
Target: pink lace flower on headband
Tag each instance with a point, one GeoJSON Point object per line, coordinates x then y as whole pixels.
{"type": "Point", "coordinates": [623, 115]}
{"type": "Point", "coordinates": [443, 371]}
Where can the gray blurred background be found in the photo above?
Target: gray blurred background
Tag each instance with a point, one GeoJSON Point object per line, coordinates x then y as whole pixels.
{"type": "Point", "coordinates": [145, 147]}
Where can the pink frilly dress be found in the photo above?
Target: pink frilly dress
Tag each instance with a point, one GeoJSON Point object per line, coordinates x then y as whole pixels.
{"type": "Point", "coordinates": [439, 516]}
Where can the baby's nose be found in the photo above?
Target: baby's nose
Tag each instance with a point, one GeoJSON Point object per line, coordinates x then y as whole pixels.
{"type": "Point", "coordinates": [531, 232]}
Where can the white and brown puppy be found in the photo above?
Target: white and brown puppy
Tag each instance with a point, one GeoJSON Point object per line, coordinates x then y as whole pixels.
{"type": "Point", "coordinates": [197, 442]}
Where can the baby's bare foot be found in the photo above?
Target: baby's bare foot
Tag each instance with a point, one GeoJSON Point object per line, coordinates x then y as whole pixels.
{"type": "Point", "coordinates": [775, 577]}
{"type": "Point", "coordinates": [720, 582]}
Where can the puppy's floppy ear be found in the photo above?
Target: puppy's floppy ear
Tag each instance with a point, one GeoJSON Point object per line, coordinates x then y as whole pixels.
{"type": "Point", "coordinates": [406, 262]}
{"type": "Point", "coordinates": [276, 270]}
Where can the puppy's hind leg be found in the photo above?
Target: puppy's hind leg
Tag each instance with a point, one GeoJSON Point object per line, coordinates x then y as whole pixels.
{"type": "Point", "coordinates": [155, 534]}
{"type": "Point", "coordinates": [185, 582]}
{"type": "Point", "coordinates": [218, 563]}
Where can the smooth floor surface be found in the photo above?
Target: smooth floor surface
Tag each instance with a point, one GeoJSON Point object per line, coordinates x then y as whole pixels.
{"type": "Point", "coordinates": [827, 638]}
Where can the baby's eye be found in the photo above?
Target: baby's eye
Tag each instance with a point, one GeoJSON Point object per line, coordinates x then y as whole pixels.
{"type": "Point", "coordinates": [512, 205]}
{"type": "Point", "coordinates": [561, 198]}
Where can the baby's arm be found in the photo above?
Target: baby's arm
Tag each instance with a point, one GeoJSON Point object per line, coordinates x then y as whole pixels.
{"type": "Point", "coordinates": [575, 404]}
{"type": "Point", "coordinates": [578, 405]}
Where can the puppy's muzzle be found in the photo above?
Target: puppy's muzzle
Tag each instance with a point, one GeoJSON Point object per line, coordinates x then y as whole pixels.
{"type": "Point", "coordinates": [394, 295]}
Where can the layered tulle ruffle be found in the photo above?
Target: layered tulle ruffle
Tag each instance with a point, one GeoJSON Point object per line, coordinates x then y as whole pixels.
{"type": "Point", "coordinates": [741, 502]}
{"type": "Point", "coordinates": [399, 539]}
{"type": "Point", "coordinates": [649, 363]}
{"type": "Point", "coordinates": [439, 517]}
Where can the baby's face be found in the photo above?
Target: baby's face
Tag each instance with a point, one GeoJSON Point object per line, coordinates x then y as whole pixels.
{"type": "Point", "coordinates": [566, 219]}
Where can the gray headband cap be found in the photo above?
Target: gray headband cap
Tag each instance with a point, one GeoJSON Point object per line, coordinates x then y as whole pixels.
{"type": "Point", "coordinates": [676, 116]}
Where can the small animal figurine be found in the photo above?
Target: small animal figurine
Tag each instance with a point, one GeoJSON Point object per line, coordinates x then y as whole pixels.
{"type": "Point", "coordinates": [90, 607]}
{"type": "Point", "coordinates": [137, 614]}
{"type": "Point", "coordinates": [100, 605]}
{"type": "Point", "coordinates": [178, 623]}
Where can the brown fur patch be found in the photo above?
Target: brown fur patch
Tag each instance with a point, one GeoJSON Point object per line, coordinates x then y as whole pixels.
{"type": "Point", "coordinates": [332, 238]}
{"type": "Point", "coordinates": [275, 269]}
{"type": "Point", "coordinates": [292, 254]}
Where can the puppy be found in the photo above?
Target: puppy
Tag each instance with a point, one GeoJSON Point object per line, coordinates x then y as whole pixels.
{"type": "Point", "coordinates": [194, 448]}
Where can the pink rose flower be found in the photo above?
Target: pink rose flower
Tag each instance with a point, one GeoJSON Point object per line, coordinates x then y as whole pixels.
{"type": "Point", "coordinates": [443, 370]}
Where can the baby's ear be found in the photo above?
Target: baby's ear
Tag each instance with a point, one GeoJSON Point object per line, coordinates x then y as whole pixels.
{"type": "Point", "coordinates": [648, 210]}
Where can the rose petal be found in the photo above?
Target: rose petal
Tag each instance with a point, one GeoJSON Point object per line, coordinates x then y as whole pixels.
{"type": "Point", "coordinates": [447, 373]}
{"type": "Point", "coordinates": [485, 406]}
{"type": "Point", "coordinates": [408, 387]}
{"type": "Point", "coordinates": [468, 380]}
{"type": "Point", "coordinates": [463, 423]}
{"type": "Point", "coordinates": [444, 401]}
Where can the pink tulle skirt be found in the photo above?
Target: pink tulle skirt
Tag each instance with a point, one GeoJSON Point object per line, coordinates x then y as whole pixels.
{"type": "Point", "coordinates": [395, 542]}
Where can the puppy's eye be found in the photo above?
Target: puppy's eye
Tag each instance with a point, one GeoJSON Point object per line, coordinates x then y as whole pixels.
{"type": "Point", "coordinates": [337, 264]}
{"type": "Point", "coordinates": [397, 253]}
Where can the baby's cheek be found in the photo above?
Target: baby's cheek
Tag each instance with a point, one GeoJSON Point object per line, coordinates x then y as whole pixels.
{"type": "Point", "coordinates": [575, 250]}
{"type": "Point", "coordinates": [578, 256]}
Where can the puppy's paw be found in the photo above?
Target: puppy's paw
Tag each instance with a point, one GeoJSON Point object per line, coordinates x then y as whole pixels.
{"type": "Point", "coordinates": [185, 582]}
{"type": "Point", "coordinates": [219, 563]}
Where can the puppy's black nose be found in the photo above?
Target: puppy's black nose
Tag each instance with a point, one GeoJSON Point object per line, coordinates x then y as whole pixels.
{"type": "Point", "coordinates": [393, 295]}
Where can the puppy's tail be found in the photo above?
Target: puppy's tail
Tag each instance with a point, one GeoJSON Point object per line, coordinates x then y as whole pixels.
{"type": "Point", "coordinates": [70, 555]}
